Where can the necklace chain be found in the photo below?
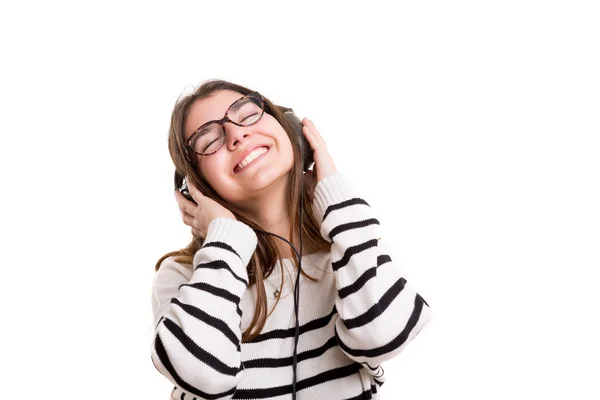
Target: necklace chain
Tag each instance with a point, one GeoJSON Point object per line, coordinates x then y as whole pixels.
{"type": "Point", "coordinates": [276, 292]}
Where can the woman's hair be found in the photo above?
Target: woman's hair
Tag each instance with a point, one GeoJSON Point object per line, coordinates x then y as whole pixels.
{"type": "Point", "coordinates": [266, 255]}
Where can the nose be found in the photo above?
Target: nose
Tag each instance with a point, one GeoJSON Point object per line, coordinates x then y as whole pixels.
{"type": "Point", "coordinates": [235, 135]}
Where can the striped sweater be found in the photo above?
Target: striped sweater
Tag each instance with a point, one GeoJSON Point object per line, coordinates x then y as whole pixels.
{"type": "Point", "coordinates": [359, 313]}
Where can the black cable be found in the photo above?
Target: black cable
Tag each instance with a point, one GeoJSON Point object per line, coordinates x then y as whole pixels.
{"type": "Point", "coordinates": [296, 292]}
{"type": "Point", "coordinates": [297, 299]}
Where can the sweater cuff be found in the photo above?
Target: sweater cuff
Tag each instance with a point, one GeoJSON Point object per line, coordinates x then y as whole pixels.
{"type": "Point", "coordinates": [330, 190]}
{"type": "Point", "coordinates": [235, 233]}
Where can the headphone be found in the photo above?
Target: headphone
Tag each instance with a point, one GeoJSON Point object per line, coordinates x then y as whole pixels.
{"type": "Point", "coordinates": [307, 161]}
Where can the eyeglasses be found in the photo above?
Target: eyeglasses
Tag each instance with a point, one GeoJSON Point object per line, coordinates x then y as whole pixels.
{"type": "Point", "coordinates": [209, 138]}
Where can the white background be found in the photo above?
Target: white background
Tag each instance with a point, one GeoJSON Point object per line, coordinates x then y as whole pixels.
{"type": "Point", "coordinates": [471, 127]}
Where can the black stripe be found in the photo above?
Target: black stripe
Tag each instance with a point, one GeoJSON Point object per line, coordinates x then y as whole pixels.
{"type": "Point", "coordinates": [164, 359]}
{"type": "Point", "coordinates": [377, 309]}
{"type": "Point", "coordinates": [364, 278]}
{"type": "Point", "coordinates": [286, 361]}
{"type": "Point", "coordinates": [158, 323]}
{"type": "Point", "coordinates": [291, 332]}
{"type": "Point", "coordinates": [223, 246]}
{"type": "Point", "coordinates": [395, 343]}
{"type": "Point", "coordinates": [373, 369]}
{"type": "Point", "coordinates": [220, 264]}
{"type": "Point", "coordinates": [209, 320]}
{"type": "Point", "coordinates": [343, 204]}
{"type": "Point", "coordinates": [225, 294]}
{"type": "Point", "coordinates": [352, 225]}
{"type": "Point", "coordinates": [182, 396]}
{"type": "Point", "coordinates": [350, 251]}
{"type": "Point", "coordinates": [323, 377]}
{"type": "Point", "coordinates": [378, 382]}
{"type": "Point", "coordinates": [199, 352]}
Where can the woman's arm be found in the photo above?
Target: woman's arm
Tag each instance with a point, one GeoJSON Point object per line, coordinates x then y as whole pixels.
{"type": "Point", "coordinates": [379, 312]}
{"type": "Point", "coordinates": [197, 336]}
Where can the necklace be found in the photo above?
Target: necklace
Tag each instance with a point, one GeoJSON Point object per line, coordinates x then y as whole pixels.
{"type": "Point", "coordinates": [277, 292]}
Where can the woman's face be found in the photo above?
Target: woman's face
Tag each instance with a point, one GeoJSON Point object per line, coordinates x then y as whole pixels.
{"type": "Point", "coordinates": [220, 169]}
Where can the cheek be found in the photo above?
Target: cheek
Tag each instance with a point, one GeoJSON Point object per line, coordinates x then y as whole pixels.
{"type": "Point", "coordinates": [287, 149]}
{"type": "Point", "coordinates": [210, 168]}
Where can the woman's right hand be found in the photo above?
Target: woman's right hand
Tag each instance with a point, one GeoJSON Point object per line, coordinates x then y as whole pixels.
{"type": "Point", "coordinates": [199, 216]}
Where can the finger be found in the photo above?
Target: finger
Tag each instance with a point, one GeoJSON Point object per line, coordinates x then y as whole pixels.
{"type": "Point", "coordinates": [195, 192]}
{"type": "Point", "coordinates": [314, 132]}
{"type": "Point", "coordinates": [310, 137]}
{"type": "Point", "coordinates": [188, 219]}
{"type": "Point", "coordinates": [184, 204]}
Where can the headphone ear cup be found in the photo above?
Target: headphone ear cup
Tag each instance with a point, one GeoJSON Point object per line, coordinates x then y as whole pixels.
{"type": "Point", "coordinates": [181, 186]}
{"type": "Point", "coordinates": [305, 149]}
{"type": "Point", "coordinates": [178, 180]}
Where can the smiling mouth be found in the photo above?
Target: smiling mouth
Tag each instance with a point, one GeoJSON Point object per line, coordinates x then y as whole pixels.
{"type": "Point", "coordinates": [237, 168]}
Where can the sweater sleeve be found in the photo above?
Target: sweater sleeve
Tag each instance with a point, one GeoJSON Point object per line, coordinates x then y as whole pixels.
{"type": "Point", "coordinates": [379, 312]}
{"type": "Point", "coordinates": [196, 335]}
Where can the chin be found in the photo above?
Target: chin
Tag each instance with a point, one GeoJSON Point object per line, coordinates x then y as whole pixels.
{"type": "Point", "coordinates": [257, 184]}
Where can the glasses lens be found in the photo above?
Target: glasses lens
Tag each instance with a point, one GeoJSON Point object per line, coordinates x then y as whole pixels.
{"type": "Point", "coordinates": [208, 140]}
{"type": "Point", "coordinates": [246, 111]}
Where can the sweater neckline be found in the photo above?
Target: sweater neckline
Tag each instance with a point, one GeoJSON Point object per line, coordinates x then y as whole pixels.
{"type": "Point", "coordinates": [309, 262]}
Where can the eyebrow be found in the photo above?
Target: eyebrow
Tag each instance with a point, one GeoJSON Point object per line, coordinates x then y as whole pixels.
{"type": "Point", "coordinates": [201, 129]}
{"type": "Point", "coordinates": [237, 104]}
{"type": "Point", "coordinates": [205, 126]}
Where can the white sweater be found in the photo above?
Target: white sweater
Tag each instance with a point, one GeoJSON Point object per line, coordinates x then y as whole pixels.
{"type": "Point", "coordinates": [360, 313]}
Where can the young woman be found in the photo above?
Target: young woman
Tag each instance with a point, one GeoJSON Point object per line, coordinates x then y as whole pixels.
{"type": "Point", "coordinates": [227, 321]}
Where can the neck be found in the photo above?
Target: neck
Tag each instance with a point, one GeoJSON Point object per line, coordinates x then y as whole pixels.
{"type": "Point", "coordinates": [270, 209]}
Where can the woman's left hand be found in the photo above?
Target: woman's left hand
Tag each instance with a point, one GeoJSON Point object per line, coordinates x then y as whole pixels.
{"type": "Point", "coordinates": [324, 165]}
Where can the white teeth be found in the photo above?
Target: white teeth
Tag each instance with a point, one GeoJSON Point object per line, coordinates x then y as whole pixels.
{"type": "Point", "coordinates": [251, 157]}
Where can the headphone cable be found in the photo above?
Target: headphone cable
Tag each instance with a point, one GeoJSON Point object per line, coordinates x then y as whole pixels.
{"type": "Point", "coordinates": [296, 292]}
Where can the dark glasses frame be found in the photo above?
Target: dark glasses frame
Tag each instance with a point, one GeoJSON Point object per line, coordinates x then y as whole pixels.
{"type": "Point", "coordinates": [188, 147]}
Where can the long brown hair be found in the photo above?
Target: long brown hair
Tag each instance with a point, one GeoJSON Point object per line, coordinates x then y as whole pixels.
{"type": "Point", "coordinates": [267, 254]}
